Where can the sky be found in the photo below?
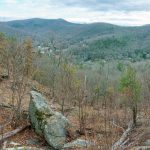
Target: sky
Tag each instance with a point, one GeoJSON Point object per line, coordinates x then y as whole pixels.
{"type": "Point", "coordinates": [120, 12]}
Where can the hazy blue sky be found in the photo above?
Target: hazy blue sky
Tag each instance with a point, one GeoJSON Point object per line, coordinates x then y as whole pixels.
{"type": "Point", "coordinates": [122, 12]}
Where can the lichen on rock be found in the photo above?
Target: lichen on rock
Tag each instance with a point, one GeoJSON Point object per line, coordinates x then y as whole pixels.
{"type": "Point", "coordinates": [47, 123]}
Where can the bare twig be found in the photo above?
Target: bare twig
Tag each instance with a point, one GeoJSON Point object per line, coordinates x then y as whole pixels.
{"type": "Point", "coordinates": [114, 124]}
{"type": "Point", "coordinates": [123, 137]}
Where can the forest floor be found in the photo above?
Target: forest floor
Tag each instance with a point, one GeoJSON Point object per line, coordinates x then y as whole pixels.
{"type": "Point", "coordinates": [98, 130]}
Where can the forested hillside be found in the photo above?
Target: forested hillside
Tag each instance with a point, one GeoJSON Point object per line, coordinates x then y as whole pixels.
{"type": "Point", "coordinates": [85, 41]}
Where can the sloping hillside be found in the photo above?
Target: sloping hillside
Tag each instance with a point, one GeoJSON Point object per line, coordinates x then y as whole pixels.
{"type": "Point", "coordinates": [85, 41]}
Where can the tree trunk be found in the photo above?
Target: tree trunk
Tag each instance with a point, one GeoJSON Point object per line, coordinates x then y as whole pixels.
{"type": "Point", "coordinates": [134, 110]}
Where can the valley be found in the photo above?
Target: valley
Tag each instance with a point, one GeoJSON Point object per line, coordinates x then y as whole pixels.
{"type": "Point", "coordinates": [74, 86]}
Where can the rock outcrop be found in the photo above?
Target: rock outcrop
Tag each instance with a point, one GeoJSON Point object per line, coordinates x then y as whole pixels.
{"type": "Point", "coordinates": [47, 123]}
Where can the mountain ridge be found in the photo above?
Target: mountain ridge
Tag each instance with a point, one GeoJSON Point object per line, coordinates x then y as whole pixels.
{"type": "Point", "coordinates": [61, 19]}
{"type": "Point", "coordinates": [101, 39]}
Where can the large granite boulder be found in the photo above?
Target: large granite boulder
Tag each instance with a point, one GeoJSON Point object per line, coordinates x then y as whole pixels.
{"type": "Point", "coordinates": [47, 123]}
{"type": "Point", "coordinates": [55, 130]}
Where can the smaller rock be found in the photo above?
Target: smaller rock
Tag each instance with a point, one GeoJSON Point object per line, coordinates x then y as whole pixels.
{"type": "Point", "coordinates": [147, 143]}
{"type": "Point", "coordinates": [14, 144]}
{"type": "Point", "coordinates": [24, 148]}
{"type": "Point", "coordinates": [141, 148]}
{"type": "Point", "coordinates": [32, 141]}
{"type": "Point", "coordinates": [79, 143]}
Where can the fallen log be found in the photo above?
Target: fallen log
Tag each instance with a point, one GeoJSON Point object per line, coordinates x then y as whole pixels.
{"type": "Point", "coordinates": [123, 137]}
{"type": "Point", "coordinates": [12, 133]}
{"type": "Point", "coordinates": [5, 106]}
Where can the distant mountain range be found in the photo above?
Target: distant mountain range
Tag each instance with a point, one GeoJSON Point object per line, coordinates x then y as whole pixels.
{"type": "Point", "coordinates": [87, 41]}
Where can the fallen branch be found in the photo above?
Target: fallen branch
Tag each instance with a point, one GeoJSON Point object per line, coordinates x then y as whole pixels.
{"type": "Point", "coordinates": [12, 133]}
{"type": "Point", "coordinates": [114, 124]}
{"type": "Point", "coordinates": [133, 143]}
{"type": "Point", "coordinates": [137, 138]}
{"type": "Point", "coordinates": [5, 106]}
{"type": "Point", "coordinates": [126, 141]}
{"type": "Point", "coordinates": [123, 137]}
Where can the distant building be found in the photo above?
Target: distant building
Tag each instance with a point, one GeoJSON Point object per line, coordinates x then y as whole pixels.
{"type": "Point", "coordinates": [44, 50]}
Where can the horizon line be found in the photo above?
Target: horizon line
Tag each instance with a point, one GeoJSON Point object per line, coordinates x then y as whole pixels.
{"type": "Point", "coordinates": [9, 19]}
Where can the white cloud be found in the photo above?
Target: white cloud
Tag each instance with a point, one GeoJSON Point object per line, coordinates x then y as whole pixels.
{"type": "Point", "coordinates": [21, 9]}
{"type": "Point", "coordinates": [10, 1]}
